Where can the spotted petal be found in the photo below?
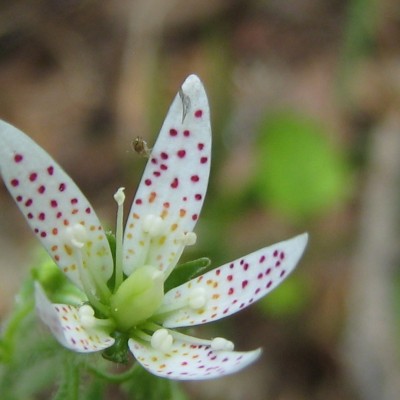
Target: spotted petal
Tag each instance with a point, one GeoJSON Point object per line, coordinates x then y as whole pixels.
{"type": "Point", "coordinates": [174, 182]}
{"type": "Point", "coordinates": [233, 286]}
{"type": "Point", "coordinates": [51, 203]}
{"type": "Point", "coordinates": [188, 361]}
{"type": "Point", "coordinates": [63, 321]}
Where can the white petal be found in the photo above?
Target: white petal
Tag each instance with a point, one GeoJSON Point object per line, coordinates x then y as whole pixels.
{"type": "Point", "coordinates": [174, 182]}
{"type": "Point", "coordinates": [64, 322]}
{"type": "Point", "coordinates": [187, 361]}
{"type": "Point", "coordinates": [51, 203]}
{"type": "Point", "coordinates": [235, 285]}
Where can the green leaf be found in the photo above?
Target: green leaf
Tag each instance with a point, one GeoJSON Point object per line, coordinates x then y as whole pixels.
{"type": "Point", "coordinates": [299, 172]}
{"type": "Point", "coordinates": [185, 272]}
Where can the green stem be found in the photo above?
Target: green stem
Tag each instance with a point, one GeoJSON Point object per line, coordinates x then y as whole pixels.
{"type": "Point", "coordinates": [116, 378]}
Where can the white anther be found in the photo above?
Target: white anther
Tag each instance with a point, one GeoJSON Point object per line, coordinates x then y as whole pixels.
{"type": "Point", "coordinates": [153, 225]}
{"type": "Point", "coordinates": [86, 316]}
{"type": "Point", "coordinates": [198, 298]}
{"type": "Point", "coordinates": [119, 196]}
{"type": "Point", "coordinates": [189, 239]}
{"type": "Point", "coordinates": [162, 340]}
{"type": "Point", "coordinates": [77, 234]}
{"type": "Point", "coordinates": [221, 344]}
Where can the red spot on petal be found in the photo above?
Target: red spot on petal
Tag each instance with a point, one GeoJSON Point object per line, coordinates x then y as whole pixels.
{"type": "Point", "coordinates": [198, 196]}
{"type": "Point", "coordinates": [186, 133]}
{"type": "Point", "coordinates": [166, 204]}
{"type": "Point", "coordinates": [244, 284]}
{"type": "Point", "coordinates": [194, 178]}
{"type": "Point", "coordinates": [275, 253]}
{"type": "Point", "coordinates": [175, 183]}
{"type": "Point", "coordinates": [163, 167]}
{"type": "Point", "coordinates": [198, 113]}
{"type": "Point", "coordinates": [42, 216]}
{"type": "Point", "coordinates": [18, 198]}
{"type": "Point", "coordinates": [138, 201]}
{"type": "Point", "coordinates": [200, 146]}
{"type": "Point", "coordinates": [154, 160]}
{"type": "Point", "coordinates": [74, 201]}
{"type": "Point", "coordinates": [194, 217]}
{"type": "Point", "coordinates": [173, 132]}
{"type": "Point", "coordinates": [164, 156]}
{"type": "Point", "coordinates": [203, 160]}
{"type": "Point", "coordinates": [33, 176]}
{"type": "Point", "coordinates": [62, 187]}
{"type": "Point", "coordinates": [28, 202]}
{"type": "Point", "coordinates": [14, 182]}
{"type": "Point", "coordinates": [29, 215]}
{"type": "Point", "coordinates": [147, 182]}
{"type": "Point", "coordinates": [53, 203]}
{"type": "Point", "coordinates": [268, 284]}
{"type": "Point", "coordinates": [43, 234]}
{"type": "Point", "coordinates": [41, 189]}
{"type": "Point", "coordinates": [230, 291]}
{"type": "Point", "coordinates": [50, 170]}
{"type": "Point", "coordinates": [156, 173]}
{"type": "Point", "coordinates": [88, 210]}
{"type": "Point", "coordinates": [262, 259]}
{"type": "Point", "coordinates": [59, 214]}
{"type": "Point", "coordinates": [229, 277]}
{"type": "Point", "coordinates": [18, 158]}
{"type": "Point", "coordinates": [181, 153]}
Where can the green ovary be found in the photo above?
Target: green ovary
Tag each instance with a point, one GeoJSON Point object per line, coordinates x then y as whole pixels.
{"type": "Point", "coordinates": [137, 298]}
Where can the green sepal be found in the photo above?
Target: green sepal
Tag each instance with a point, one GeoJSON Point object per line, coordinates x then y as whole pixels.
{"type": "Point", "coordinates": [57, 286]}
{"type": "Point", "coordinates": [119, 351]}
{"type": "Point", "coordinates": [113, 245]}
{"type": "Point", "coordinates": [183, 273]}
{"type": "Point", "coordinates": [112, 242]}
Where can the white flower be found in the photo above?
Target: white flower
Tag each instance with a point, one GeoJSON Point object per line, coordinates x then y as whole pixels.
{"type": "Point", "coordinates": [126, 296]}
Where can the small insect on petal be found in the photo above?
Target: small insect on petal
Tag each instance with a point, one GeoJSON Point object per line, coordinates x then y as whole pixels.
{"type": "Point", "coordinates": [140, 146]}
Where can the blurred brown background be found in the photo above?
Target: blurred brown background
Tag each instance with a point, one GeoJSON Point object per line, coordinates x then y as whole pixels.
{"type": "Point", "coordinates": [85, 77]}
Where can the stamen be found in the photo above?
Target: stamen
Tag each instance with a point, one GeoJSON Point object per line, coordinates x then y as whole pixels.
{"type": "Point", "coordinates": [198, 298]}
{"type": "Point", "coordinates": [189, 239]}
{"type": "Point", "coordinates": [221, 344]}
{"type": "Point", "coordinates": [90, 322]}
{"type": "Point", "coordinates": [119, 197]}
{"type": "Point", "coordinates": [162, 340]}
{"type": "Point", "coordinates": [77, 235]}
{"type": "Point", "coordinates": [86, 316]}
{"type": "Point", "coordinates": [153, 225]}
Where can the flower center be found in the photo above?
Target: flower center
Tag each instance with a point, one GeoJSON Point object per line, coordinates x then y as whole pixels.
{"type": "Point", "coordinates": [137, 298]}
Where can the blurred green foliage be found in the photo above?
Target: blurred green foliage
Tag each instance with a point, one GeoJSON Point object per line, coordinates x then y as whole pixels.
{"type": "Point", "coordinates": [298, 172]}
